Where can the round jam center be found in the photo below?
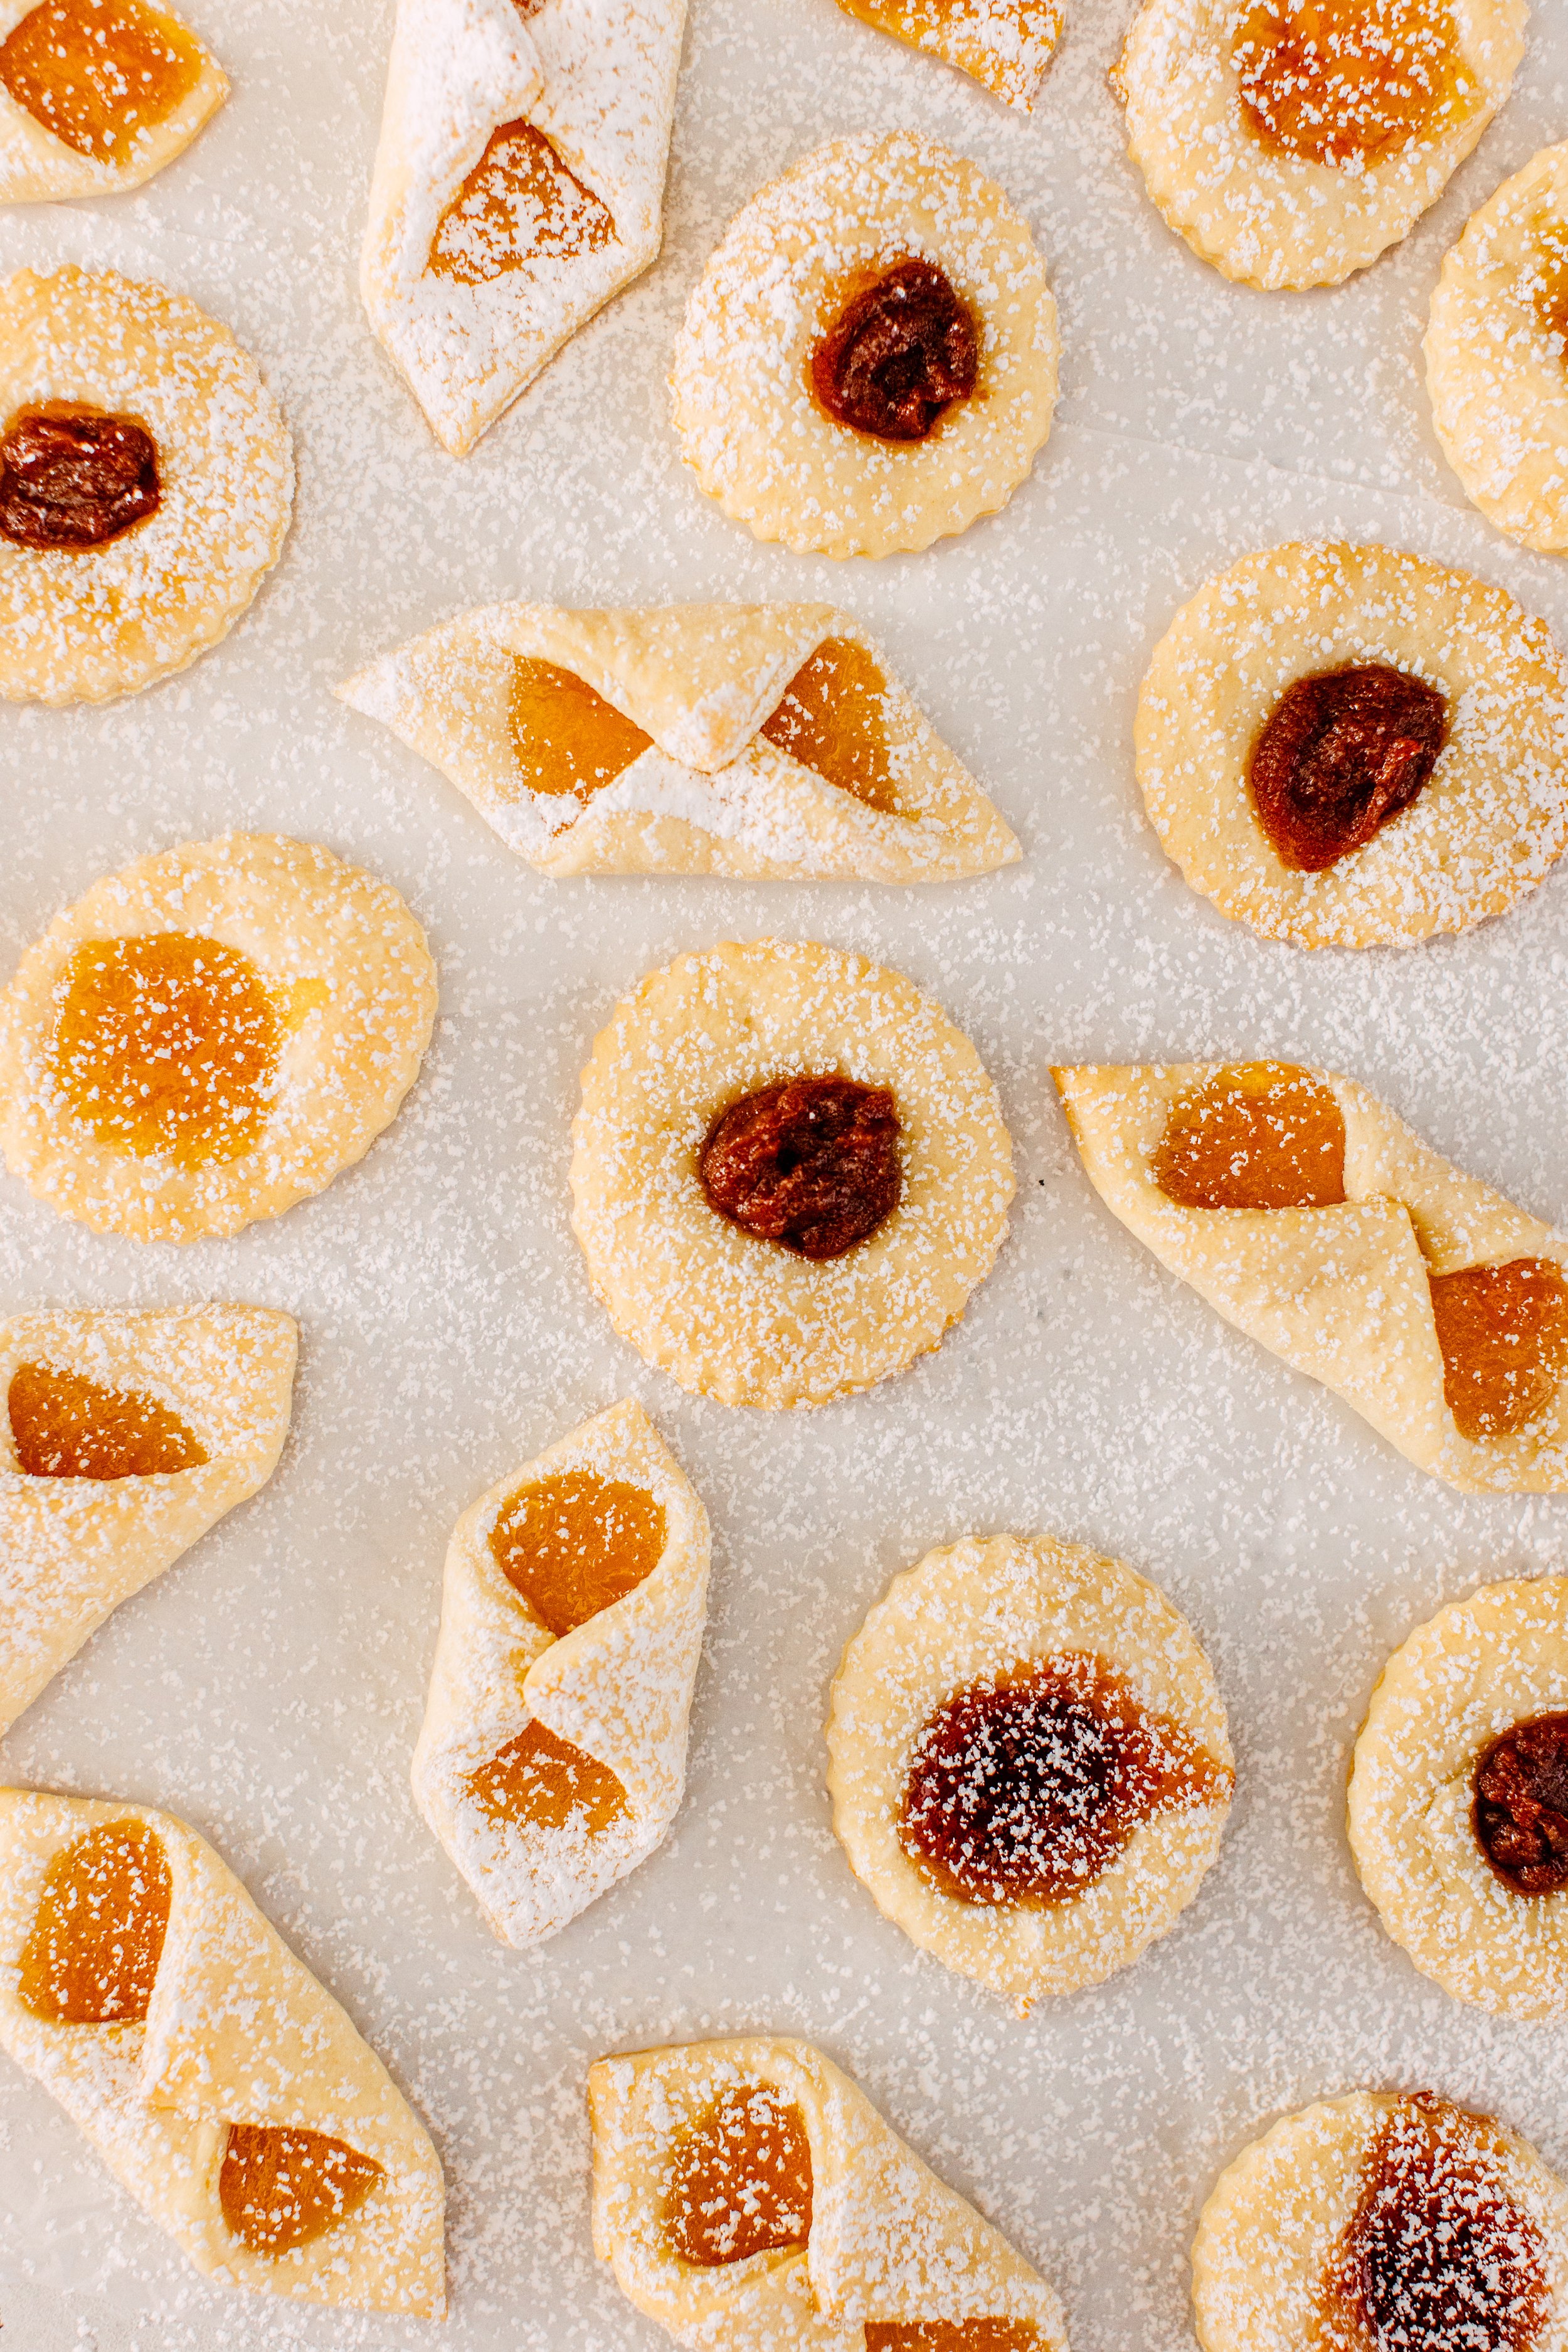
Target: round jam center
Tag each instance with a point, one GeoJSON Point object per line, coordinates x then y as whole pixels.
{"type": "Point", "coordinates": [280, 2189]}
{"type": "Point", "coordinates": [740, 2180]}
{"type": "Point", "coordinates": [75, 480]}
{"type": "Point", "coordinates": [1256, 1135]}
{"type": "Point", "coordinates": [1349, 81]}
{"type": "Point", "coordinates": [1503, 1331]}
{"type": "Point", "coordinates": [519, 204]}
{"type": "Point", "coordinates": [574, 1544]}
{"type": "Point", "coordinates": [899, 355]}
{"type": "Point", "coordinates": [543, 1780]}
{"type": "Point", "coordinates": [833, 718]}
{"type": "Point", "coordinates": [64, 1426]}
{"type": "Point", "coordinates": [811, 1162]}
{"type": "Point", "coordinates": [1341, 756]}
{"type": "Point", "coordinates": [568, 740]}
{"type": "Point", "coordinates": [97, 1937]}
{"type": "Point", "coordinates": [1520, 1805]}
{"type": "Point", "coordinates": [98, 74]}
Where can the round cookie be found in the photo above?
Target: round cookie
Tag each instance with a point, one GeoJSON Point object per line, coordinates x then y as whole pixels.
{"type": "Point", "coordinates": [1486, 825]}
{"type": "Point", "coordinates": [211, 1036]}
{"type": "Point", "coordinates": [128, 414]}
{"type": "Point", "coordinates": [833, 233]}
{"type": "Point", "coordinates": [1284, 169]}
{"type": "Point", "coordinates": [1127, 1745]}
{"type": "Point", "coordinates": [726, 1310]}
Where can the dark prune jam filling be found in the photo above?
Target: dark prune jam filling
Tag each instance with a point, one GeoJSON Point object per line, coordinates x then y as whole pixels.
{"type": "Point", "coordinates": [899, 355]}
{"type": "Point", "coordinates": [1520, 1809]}
{"type": "Point", "coordinates": [1341, 756]}
{"type": "Point", "coordinates": [76, 480]}
{"type": "Point", "coordinates": [810, 1162]}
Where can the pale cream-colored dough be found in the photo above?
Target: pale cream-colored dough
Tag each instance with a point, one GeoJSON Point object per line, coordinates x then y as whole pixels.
{"type": "Point", "coordinates": [618, 1686]}
{"type": "Point", "coordinates": [238, 2032]}
{"type": "Point", "coordinates": [1497, 371]}
{"type": "Point", "coordinates": [1282, 220]}
{"type": "Point", "coordinates": [351, 979]}
{"type": "Point", "coordinates": [723, 1312]}
{"type": "Point", "coordinates": [36, 166]}
{"type": "Point", "coordinates": [1006, 43]}
{"type": "Point", "coordinates": [888, 2240]}
{"type": "Point", "coordinates": [597, 79]}
{"type": "Point", "coordinates": [972, 1611]}
{"type": "Point", "coordinates": [81, 624]}
{"type": "Point", "coordinates": [1488, 826]}
{"type": "Point", "coordinates": [71, 1549]}
{"type": "Point", "coordinates": [711, 795]}
{"type": "Point", "coordinates": [1275, 2216]}
{"type": "Point", "coordinates": [1340, 1292]}
{"type": "Point", "coordinates": [748, 422]}
{"type": "Point", "coordinates": [1469, 1674]}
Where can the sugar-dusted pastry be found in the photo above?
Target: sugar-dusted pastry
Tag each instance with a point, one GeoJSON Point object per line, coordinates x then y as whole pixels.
{"type": "Point", "coordinates": [868, 360]}
{"type": "Point", "coordinates": [1314, 1220]}
{"type": "Point", "coordinates": [1028, 1762]}
{"type": "Point", "coordinates": [789, 1172]}
{"type": "Point", "coordinates": [552, 1758]}
{"type": "Point", "coordinates": [126, 1437]}
{"type": "Point", "coordinates": [221, 2085]}
{"type": "Point", "coordinates": [518, 184]}
{"type": "Point", "coordinates": [1006, 43]}
{"type": "Point", "coordinates": [1348, 746]}
{"type": "Point", "coordinates": [757, 739]}
{"type": "Point", "coordinates": [1384, 2221]}
{"type": "Point", "coordinates": [747, 2195]}
{"type": "Point", "coordinates": [210, 1036]}
{"type": "Point", "coordinates": [146, 481]}
{"type": "Point", "coordinates": [96, 95]}
{"type": "Point", "coordinates": [1291, 142]}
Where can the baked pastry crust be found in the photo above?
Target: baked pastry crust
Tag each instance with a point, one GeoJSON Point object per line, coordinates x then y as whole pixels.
{"type": "Point", "coordinates": [711, 795]}
{"type": "Point", "coordinates": [748, 425]}
{"type": "Point", "coordinates": [617, 1686]}
{"type": "Point", "coordinates": [888, 2240]}
{"type": "Point", "coordinates": [238, 2032]}
{"type": "Point", "coordinates": [346, 967]}
{"type": "Point", "coordinates": [81, 625]}
{"type": "Point", "coordinates": [1342, 1293]}
{"type": "Point", "coordinates": [1488, 825]}
{"type": "Point", "coordinates": [36, 167]}
{"type": "Point", "coordinates": [73, 1549]}
{"type": "Point", "coordinates": [1006, 43]}
{"type": "Point", "coordinates": [599, 82]}
{"type": "Point", "coordinates": [723, 1312]}
{"type": "Point", "coordinates": [969, 1611]}
{"type": "Point", "coordinates": [1282, 220]}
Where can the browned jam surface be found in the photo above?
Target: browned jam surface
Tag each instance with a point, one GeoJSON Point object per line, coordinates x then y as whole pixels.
{"type": "Point", "coordinates": [833, 718]}
{"type": "Point", "coordinates": [739, 2180]}
{"type": "Point", "coordinates": [1022, 1789]}
{"type": "Point", "coordinates": [574, 1543]}
{"type": "Point", "coordinates": [519, 204]}
{"type": "Point", "coordinates": [1350, 81]}
{"type": "Point", "coordinates": [1257, 1135]}
{"type": "Point", "coordinates": [567, 737]}
{"type": "Point", "coordinates": [952, 2336]}
{"type": "Point", "coordinates": [1437, 2257]}
{"type": "Point", "coordinates": [282, 2187]}
{"type": "Point", "coordinates": [1341, 756]}
{"type": "Point", "coordinates": [99, 73]}
{"type": "Point", "coordinates": [165, 1044]}
{"type": "Point", "coordinates": [1520, 1813]}
{"type": "Point", "coordinates": [897, 355]}
{"type": "Point", "coordinates": [75, 479]}
{"type": "Point", "coordinates": [545, 1781]}
{"type": "Point", "coordinates": [1503, 1331]}
{"type": "Point", "coordinates": [91, 1957]}
{"type": "Point", "coordinates": [811, 1163]}
{"type": "Point", "coordinates": [66, 1426]}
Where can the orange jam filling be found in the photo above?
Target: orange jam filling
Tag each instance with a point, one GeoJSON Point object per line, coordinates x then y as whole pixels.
{"type": "Point", "coordinates": [547, 1782]}
{"type": "Point", "coordinates": [281, 2188]}
{"type": "Point", "coordinates": [1256, 1135]}
{"type": "Point", "coordinates": [833, 718]}
{"type": "Point", "coordinates": [92, 1954]}
{"type": "Point", "coordinates": [166, 1044]}
{"type": "Point", "coordinates": [66, 1426]}
{"type": "Point", "coordinates": [1503, 1331]}
{"type": "Point", "coordinates": [740, 2180]}
{"type": "Point", "coordinates": [567, 739]}
{"type": "Point", "coordinates": [1350, 81]}
{"type": "Point", "coordinates": [952, 2336]}
{"type": "Point", "coordinates": [518, 203]}
{"type": "Point", "coordinates": [98, 74]}
{"type": "Point", "coordinates": [573, 1544]}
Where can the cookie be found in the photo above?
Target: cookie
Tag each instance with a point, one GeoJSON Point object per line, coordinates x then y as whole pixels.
{"type": "Point", "coordinates": [96, 95]}
{"type": "Point", "coordinates": [1004, 43]}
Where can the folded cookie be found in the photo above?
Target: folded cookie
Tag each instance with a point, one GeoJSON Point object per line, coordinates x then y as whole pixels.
{"type": "Point", "coordinates": [1006, 43]}
{"type": "Point", "coordinates": [223, 2086]}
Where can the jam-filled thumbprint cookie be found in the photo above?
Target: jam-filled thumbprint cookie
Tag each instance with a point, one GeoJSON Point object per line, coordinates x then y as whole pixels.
{"type": "Point", "coordinates": [96, 95]}
{"type": "Point", "coordinates": [1004, 43]}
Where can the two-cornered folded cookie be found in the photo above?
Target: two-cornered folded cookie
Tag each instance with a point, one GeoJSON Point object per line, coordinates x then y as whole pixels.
{"type": "Point", "coordinates": [96, 95]}
{"type": "Point", "coordinates": [868, 361]}
{"type": "Point", "coordinates": [552, 1756]}
{"type": "Point", "coordinates": [1314, 1220]}
{"type": "Point", "coordinates": [1382, 2220]}
{"type": "Point", "coordinates": [220, 2083]}
{"type": "Point", "coordinates": [1348, 747]}
{"type": "Point", "coordinates": [127, 1436]}
{"type": "Point", "coordinates": [210, 1036]}
{"type": "Point", "coordinates": [1006, 43]}
{"type": "Point", "coordinates": [748, 2196]}
{"type": "Point", "coordinates": [755, 739]}
{"type": "Point", "coordinates": [1291, 142]}
{"type": "Point", "coordinates": [1028, 1762]}
{"type": "Point", "coordinates": [518, 184]}
{"type": "Point", "coordinates": [789, 1172]}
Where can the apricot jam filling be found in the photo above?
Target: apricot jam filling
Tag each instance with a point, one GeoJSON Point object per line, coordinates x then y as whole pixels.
{"type": "Point", "coordinates": [1350, 81]}
{"type": "Point", "coordinates": [66, 1426]}
{"type": "Point", "coordinates": [952, 2336]}
{"type": "Point", "coordinates": [739, 2180]}
{"type": "Point", "coordinates": [519, 204]}
{"type": "Point", "coordinates": [282, 2187]}
{"type": "Point", "coordinates": [74, 479]}
{"type": "Point", "coordinates": [98, 74]}
{"type": "Point", "coordinates": [1520, 1804]}
{"type": "Point", "coordinates": [833, 718]}
{"type": "Point", "coordinates": [571, 1545]}
{"type": "Point", "coordinates": [1256, 1135]}
{"type": "Point", "coordinates": [568, 740]}
{"type": "Point", "coordinates": [548, 1783]}
{"type": "Point", "coordinates": [91, 1957]}
{"type": "Point", "coordinates": [899, 355]}
{"type": "Point", "coordinates": [810, 1162]}
{"type": "Point", "coordinates": [1503, 1331]}
{"type": "Point", "coordinates": [1342, 755]}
